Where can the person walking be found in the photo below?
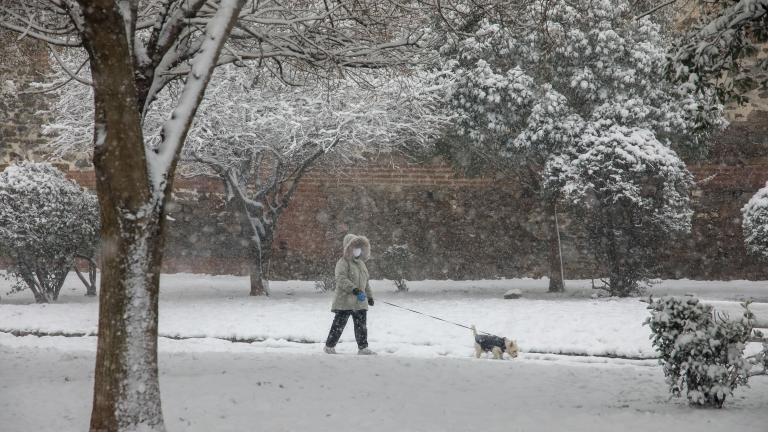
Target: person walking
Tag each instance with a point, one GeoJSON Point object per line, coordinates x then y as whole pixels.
{"type": "Point", "coordinates": [353, 294]}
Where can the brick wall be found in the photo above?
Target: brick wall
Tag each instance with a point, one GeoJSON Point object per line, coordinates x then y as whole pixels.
{"type": "Point", "coordinates": [458, 227]}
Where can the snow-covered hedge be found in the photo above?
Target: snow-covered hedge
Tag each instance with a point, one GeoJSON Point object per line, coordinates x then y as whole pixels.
{"type": "Point", "coordinates": [632, 194]}
{"type": "Point", "coordinates": [702, 353]}
{"type": "Point", "coordinates": [755, 223]}
{"type": "Point", "coordinates": [45, 221]}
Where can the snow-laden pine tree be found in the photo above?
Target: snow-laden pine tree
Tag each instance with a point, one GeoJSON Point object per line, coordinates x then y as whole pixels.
{"type": "Point", "coordinates": [755, 223]}
{"type": "Point", "coordinates": [46, 220]}
{"type": "Point", "coordinates": [631, 193]}
{"type": "Point", "coordinates": [530, 81]}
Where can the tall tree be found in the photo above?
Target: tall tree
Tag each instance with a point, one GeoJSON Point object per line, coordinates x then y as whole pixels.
{"type": "Point", "coordinates": [135, 49]}
{"type": "Point", "coordinates": [528, 84]}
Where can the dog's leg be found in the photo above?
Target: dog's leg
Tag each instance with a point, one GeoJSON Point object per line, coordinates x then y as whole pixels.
{"type": "Point", "coordinates": [478, 350]}
{"type": "Point", "coordinates": [497, 353]}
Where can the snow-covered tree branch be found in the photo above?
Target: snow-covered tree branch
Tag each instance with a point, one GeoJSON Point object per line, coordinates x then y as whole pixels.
{"type": "Point", "coordinates": [722, 48]}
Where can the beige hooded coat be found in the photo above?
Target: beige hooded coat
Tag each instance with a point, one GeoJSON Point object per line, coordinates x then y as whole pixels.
{"type": "Point", "coordinates": [352, 273]}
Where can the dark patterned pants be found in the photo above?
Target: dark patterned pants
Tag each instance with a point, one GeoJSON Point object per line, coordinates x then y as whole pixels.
{"type": "Point", "coordinates": [340, 321]}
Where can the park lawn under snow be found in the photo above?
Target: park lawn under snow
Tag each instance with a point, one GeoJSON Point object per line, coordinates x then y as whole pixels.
{"type": "Point", "coordinates": [296, 317]}
{"type": "Point", "coordinates": [424, 380]}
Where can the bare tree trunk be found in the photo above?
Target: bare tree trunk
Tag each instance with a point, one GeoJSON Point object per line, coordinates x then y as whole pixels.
{"type": "Point", "coordinates": [90, 284]}
{"type": "Point", "coordinates": [554, 257]}
{"type": "Point", "coordinates": [259, 267]}
{"type": "Point", "coordinates": [259, 285]}
{"type": "Point", "coordinates": [126, 389]}
{"type": "Point", "coordinates": [126, 394]}
{"type": "Point", "coordinates": [91, 289]}
{"type": "Point", "coordinates": [37, 291]}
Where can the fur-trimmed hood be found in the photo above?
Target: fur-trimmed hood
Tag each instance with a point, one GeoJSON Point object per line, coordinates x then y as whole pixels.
{"type": "Point", "coordinates": [349, 239]}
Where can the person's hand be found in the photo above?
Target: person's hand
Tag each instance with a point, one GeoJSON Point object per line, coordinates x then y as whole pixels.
{"type": "Point", "coordinates": [359, 294]}
{"type": "Point", "coordinates": [370, 302]}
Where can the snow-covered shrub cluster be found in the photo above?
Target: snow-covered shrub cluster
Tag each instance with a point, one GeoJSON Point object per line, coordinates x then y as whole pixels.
{"type": "Point", "coordinates": [46, 221]}
{"type": "Point", "coordinates": [702, 353]}
{"type": "Point", "coordinates": [631, 192]}
{"type": "Point", "coordinates": [395, 264]}
{"type": "Point", "coordinates": [755, 223]}
{"type": "Point", "coordinates": [326, 283]}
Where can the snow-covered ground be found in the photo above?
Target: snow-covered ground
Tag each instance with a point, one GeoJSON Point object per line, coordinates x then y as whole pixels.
{"type": "Point", "coordinates": [218, 306]}
{"type": "Point", "coordinates": [49, 389]}
{"type": "Point", "coordinates": [424, 380]}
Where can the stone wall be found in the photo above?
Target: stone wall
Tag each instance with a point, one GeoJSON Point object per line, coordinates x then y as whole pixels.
{"type": "Point", "coordinates": [459, 228]}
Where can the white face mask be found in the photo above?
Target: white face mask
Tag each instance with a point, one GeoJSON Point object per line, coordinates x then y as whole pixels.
{"type": "Point", "coordinates": [357, 252]}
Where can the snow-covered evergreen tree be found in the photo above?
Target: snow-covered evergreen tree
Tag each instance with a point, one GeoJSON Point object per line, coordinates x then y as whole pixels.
{"type": "Point", "coordinates": [755, 223]}
{"type": "Point", "coordinates": [46, 221]}
{"type": "Point", "coordinates": [529, 85]}
{"type": "Point", "coordinates": [631, 192]}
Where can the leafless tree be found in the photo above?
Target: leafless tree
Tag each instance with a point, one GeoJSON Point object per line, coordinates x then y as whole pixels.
{"type": "Point", "coordinates": [261, 140]}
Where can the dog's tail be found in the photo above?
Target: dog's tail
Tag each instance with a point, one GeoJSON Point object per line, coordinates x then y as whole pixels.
{"type": "Point", "coordinates": [474, 330]}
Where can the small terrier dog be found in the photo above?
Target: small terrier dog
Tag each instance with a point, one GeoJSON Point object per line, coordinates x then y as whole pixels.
{"type": "Point", "coordinates": [494, 344]}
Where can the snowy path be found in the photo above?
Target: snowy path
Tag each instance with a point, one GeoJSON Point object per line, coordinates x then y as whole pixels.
{"type": "Point", "coordinates": [218, 307]}
{"type": "Point", "coordinates": [45, 389]}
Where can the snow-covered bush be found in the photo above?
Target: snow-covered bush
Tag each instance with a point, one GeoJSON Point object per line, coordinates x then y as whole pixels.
{"type": "Point", "coordinates": [326, 283]}
{"type": "Point", "coordinates": [45, 221]}
{"type": "Point", "coordinates": [632, 194]}
{"type": "Point", "coordinates": [395, 264]}
{"type": "Point", "coordinates": [755, 223]}
{"type": "Point", "coordinates": [702, 353]}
